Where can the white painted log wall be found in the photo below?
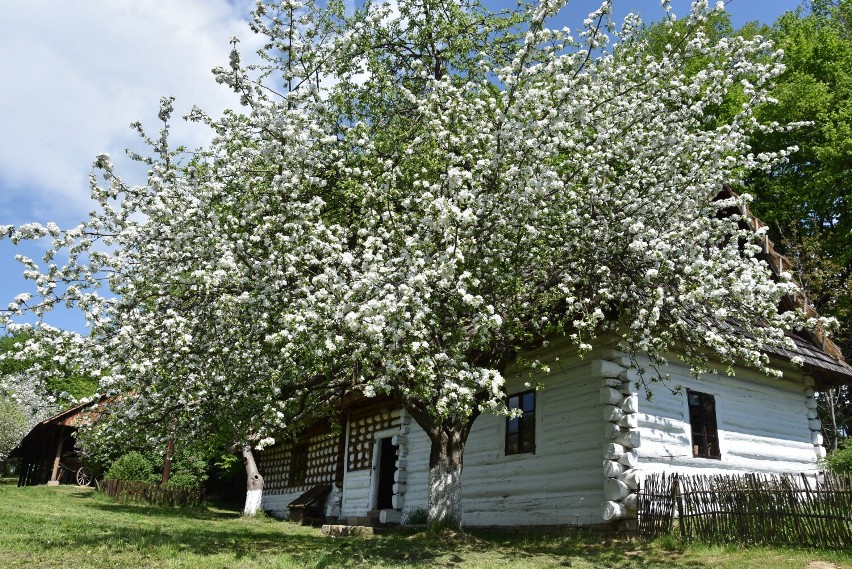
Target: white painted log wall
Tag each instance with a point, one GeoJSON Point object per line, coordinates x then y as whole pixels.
{"type": "Point", "coordinates": [274, 470]}
{"type": "Point", "coordinates": [356, 493]}
{"type": "Point", "coordinates": [762, 423]}
{"type": "Point", "coordinates": [763, 427]}
{"type": "Point", "coordinates": [276, 504]}
{"type": "Point", "coordinates": [357, 484]}
{"type": "Point", "coordinates": [560, 483]}
{"type": "Point", "coordinates": [417, 469]}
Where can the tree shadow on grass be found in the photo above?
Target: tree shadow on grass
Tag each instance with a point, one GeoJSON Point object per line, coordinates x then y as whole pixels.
{"type": "Point", "coordinates": [129, 528]}
{"type": "Point", "coordinates": [201, 512]}
{"type": "Point", "coordinates": [207, 530]}
{"type": "Point", "coordinates": [606, 548]}
{"type": "Point", "coordinates": [250, 540]}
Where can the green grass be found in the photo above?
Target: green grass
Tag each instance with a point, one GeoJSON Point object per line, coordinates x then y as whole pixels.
{"type": "Point", "coordinates": [65, 526]}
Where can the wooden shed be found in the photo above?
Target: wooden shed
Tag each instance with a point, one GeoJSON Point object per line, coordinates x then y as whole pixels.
{"type": "Point", "coordinates": [48, 451]}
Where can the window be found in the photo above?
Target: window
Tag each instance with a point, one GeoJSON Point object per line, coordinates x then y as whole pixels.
{"type": "Point", "coordinates": [702, 418]}
{"type": "Point", "coordinates": [520, 431]}
{"type": "Point", "coordinates": [298, 466]}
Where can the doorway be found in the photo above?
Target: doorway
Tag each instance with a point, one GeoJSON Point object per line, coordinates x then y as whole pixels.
{"type": "Point", "coordinates": [386, 471]}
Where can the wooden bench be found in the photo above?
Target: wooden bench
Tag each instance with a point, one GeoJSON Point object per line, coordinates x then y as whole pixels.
{"type": "Point", "coordinates": [308, 508]}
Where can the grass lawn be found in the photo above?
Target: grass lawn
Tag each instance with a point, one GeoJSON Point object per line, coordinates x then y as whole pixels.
{"type": "Point", "coordinates": [42, 527]}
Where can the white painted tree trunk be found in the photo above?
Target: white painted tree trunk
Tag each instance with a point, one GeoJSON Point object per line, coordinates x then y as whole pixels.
{"type": "Point", "coordinates": [253, 500]}
{"type": "Point", "coordinates": [254, 483]}
{"type": "Point", "coordinates": [447, 438]}
{"type": "Point", "coordinates": [445, 475]}
{"type": "Point", "coordinates": [445, 494]}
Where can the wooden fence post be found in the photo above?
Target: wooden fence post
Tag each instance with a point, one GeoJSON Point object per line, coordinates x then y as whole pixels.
{"type": "Point", "coordinates": [677, 497]}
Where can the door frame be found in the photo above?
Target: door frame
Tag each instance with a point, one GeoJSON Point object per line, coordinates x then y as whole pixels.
{"type": "Point", "coordinates": [377, 460]}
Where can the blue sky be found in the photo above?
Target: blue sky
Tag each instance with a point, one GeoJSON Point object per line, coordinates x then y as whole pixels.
{"type": "Point", "coordinates": [73, 84]}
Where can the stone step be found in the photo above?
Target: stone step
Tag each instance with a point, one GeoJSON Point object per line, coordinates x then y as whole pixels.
{"type": "Point", "coordinates": [341, 531]}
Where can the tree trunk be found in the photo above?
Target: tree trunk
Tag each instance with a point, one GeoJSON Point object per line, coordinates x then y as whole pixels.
{"type": "Point", "coordinates": [254, 483]}
{"type": "Point", "coordinates": [445, 472]}
{"type": "Point", "coordinates": [448, 438]}
{"type": "Point", "coordinates": [167, 463]}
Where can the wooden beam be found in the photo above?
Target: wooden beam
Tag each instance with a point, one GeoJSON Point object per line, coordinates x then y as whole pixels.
{"type": "Point", "coordinates": [60, 440]}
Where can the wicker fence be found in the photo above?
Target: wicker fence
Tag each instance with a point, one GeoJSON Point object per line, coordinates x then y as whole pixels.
{"type": "Point", "coordinates": [801, 510]}
{"type": "Point", "coordinates": [126, 490]}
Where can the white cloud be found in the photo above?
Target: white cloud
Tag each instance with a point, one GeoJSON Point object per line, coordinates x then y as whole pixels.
{"type": "Point", "coordinates": [76, 74]}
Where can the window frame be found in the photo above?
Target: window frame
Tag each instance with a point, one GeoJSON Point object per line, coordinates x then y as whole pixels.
{"type": "Point", "coordinates": [522, 431]}
{"type": "Point", "coordinates": [707, 428]}
{"type": "Point", "coordinates": [298, 474]}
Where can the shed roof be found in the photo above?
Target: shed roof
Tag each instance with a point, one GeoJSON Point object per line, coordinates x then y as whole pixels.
{"type": "Point", "coordinates": [74, 417]}
{"type": "Point", "coordinates": [81, 414]}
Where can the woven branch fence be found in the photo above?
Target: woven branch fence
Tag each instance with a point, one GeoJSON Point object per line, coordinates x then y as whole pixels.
{"type": "Point", "coordinates": [126, 490]}
{"type": "Point", "coordinates": [800, 510]}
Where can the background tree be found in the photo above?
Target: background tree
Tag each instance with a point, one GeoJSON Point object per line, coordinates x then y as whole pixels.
{"type": "Point", "coordinates": [21, 385]}
{"type": "Point", "coordinates": [806, 200]}
{"type": "Point", "coordinates": [64, 383]}
{"type": "Point", "coordinates": [409, 199]}
{"type": "Point", "coordinates": [34, 387]}
{"type": "Point", "coordinates": [13, 427]}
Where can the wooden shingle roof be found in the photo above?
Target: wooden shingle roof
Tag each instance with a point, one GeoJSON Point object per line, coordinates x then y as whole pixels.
{"type": "Point", "coordinates": [822, 358]}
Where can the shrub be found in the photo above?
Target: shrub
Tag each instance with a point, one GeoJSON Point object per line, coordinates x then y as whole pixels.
{"type": "Point", "coordinates": [228, 465]}
{"type": "Point", "coordinates": [132, 466]}
{"type": "Point", "coordinates": [184, 481]}
{"type": "Point", "coordinates": [189, 471]}
{"type": "Point", "coordinates": [840, 461]}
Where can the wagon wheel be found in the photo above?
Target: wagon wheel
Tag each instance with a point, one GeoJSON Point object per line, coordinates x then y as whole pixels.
{"type": "Point", "coordinates": [84, 476]}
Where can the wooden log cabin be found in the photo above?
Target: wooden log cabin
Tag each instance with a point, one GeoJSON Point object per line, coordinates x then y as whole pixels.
{"type": "Point", "coordinates": [578, 453]}
{"type": "Point", "coordinates": [584, 441]}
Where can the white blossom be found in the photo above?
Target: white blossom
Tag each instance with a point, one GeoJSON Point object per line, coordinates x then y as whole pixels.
{"type": "Point", "coordinates": [376, 226]}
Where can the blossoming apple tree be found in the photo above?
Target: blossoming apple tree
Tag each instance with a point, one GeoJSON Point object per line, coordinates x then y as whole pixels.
{"type": "Point", "coordinates": [409, 196]}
